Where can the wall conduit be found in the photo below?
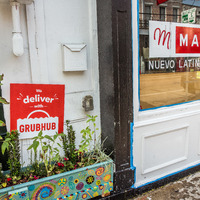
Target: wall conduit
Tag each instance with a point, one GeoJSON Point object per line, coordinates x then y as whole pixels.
{"type": "Point", "coordinates": [17, 39]}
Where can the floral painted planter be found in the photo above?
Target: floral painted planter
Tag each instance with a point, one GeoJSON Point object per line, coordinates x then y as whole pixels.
{"type": "Point", "coordinates": [84, 183]}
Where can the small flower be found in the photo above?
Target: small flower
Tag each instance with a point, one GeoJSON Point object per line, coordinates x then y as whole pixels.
{"type": "Point", "coordinates": [4, 184]}
{"type": "Point", "coordinates": [35, 177]}
{"type": "Point", "coordinates": [9, 179]}
{"type": "Point", "coordinates": [66, 159]}
{"type": "Point", "coordinates": [60, 164]}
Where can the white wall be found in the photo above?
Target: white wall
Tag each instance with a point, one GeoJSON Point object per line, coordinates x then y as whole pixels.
{"type": "Point", "coordinates": [166, 140]}
{"type": "Point", "coordinates": [46, 25]}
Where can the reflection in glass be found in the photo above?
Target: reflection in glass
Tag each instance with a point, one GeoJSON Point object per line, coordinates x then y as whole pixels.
{"type": "Point", "coordinates": [168, 80]}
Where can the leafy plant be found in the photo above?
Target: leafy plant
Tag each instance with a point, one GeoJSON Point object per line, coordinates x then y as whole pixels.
{"type": "Point", "coordinates": [2, 100]}
{"type": "Point", "coordinates": [88, 155]}
{"type": "Point", "coordinates": [49, 153]}
{"type": "Point", "coordinates": [37, 166]}
{"type": "Point", "coordinates": [46, 159]}
{"type": "Point", "coordinates": [68, 141]}
{"type": "Point", "coordinates": [87, 135]}
{"type": "Point", "coordinates": [11, 144]}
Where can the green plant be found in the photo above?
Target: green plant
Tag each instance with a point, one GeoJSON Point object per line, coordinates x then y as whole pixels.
{"type": "Point", "coordinates": [46, 159]}
{"type": "Point", "coordinates": [37, 166]}
{"type": "Point", "coordinates": [49, 153]}
{"type": "Point", "coordinates": [87, 135]}
{"type": "Point", "coordinates": [11, 144]}
{"type": "Point", "coordinates": [89, 155]}
{"type": "Point", "coordinates": [68, 141]}
{"type": "Point", "coordinates": [2, 100]}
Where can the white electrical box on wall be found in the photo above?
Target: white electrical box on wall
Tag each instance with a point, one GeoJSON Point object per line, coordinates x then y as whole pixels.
{"type": "Point", "coordinates": [75, 57]}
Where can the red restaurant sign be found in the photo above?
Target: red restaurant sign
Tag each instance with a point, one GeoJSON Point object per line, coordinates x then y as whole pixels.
{"type": "Point", "coordinates": [36, 107]}
{"type": "Point", "coordinates": [187, 40]}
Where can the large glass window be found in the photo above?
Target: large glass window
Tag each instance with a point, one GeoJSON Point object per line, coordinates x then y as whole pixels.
{"type": "Point", "coordinates": [169, 52]}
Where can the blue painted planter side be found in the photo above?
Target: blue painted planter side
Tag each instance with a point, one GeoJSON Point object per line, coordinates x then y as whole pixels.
{"type": "Point", "coordinates": [83, 183]}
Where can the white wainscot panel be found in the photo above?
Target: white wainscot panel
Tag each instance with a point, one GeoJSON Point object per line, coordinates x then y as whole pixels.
{"type": "Point", "coordinates": [164, 148]}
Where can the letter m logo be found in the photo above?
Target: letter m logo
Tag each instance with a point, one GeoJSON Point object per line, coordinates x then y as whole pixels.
{"type": "Point", "coordinates": [162, 35]}
{"type": "Point", "coordinates": [160, 38]}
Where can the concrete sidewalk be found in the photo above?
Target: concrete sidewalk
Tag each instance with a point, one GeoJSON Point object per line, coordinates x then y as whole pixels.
{"type": "Point", "coordinates": [187, 188]}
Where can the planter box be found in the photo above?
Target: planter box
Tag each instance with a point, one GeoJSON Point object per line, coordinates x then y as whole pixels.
{"type": "Point", "coordinates": [84, 183]}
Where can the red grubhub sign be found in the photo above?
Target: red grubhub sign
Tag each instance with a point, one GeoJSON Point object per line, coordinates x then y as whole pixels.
{"type": "Point", "coordinates": [36, 107]}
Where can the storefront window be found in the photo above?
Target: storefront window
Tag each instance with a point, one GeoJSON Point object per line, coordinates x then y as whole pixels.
{"type": "Point", "coordinates": [169, 52]}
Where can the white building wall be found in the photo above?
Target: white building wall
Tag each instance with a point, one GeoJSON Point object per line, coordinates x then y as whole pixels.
{"type": "Point", "coordinates": [166, 140]}
{"type": "Point", "coordinates": [46, 25]}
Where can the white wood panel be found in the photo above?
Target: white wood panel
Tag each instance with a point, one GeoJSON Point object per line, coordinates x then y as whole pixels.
{"type": "Point", "coordinates": [163, 148]}
{"type": "Point", "coordinates": [151, 164]}
{"type": "Point", "coordinates": [160, 150]}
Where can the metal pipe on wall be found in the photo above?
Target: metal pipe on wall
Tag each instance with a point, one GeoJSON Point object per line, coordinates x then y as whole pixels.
{"type": "Point", "coordinates": [17, 39]}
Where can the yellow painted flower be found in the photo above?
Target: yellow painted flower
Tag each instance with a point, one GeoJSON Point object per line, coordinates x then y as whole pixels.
{"type": "Point", "coordinates": [76, 181]}
{"type": "Point", "coordinates": [111, 183]}
{"type": "Point", "coordinates": [90, 179]}
{"type": "Point", "coordinates": [107, 177]}
{"type": "Point", "coordinates": [84, 196]}
{"type": "Point", "coordinates": [62, 182]}
{"type": "Point", "coordinates": [95, 194]}
{"type": "Point", "coordinates": [98, 182]}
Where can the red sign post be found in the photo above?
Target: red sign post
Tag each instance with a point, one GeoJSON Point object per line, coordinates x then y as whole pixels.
{"type": "Point", "coordinates": [36, 107]}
